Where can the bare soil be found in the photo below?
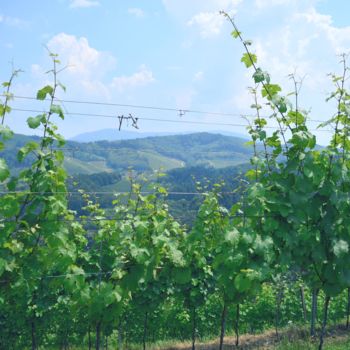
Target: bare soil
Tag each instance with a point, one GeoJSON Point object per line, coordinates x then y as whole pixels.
{"type": "Point", "coordinates": [265, 341]}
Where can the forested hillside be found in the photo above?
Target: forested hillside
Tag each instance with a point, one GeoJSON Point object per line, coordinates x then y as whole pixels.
{"type": "Point", "coordinates": [143, 155]}
{"type": "Point", "coordinates": [185, 186]}
{"type": "Point", "coordinates": [186, 160]}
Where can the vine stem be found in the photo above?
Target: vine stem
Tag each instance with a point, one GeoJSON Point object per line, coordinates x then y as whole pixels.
{"type": "Point", "coordinates": [259, 119]}
{"type": "Point", "coordinates": [145, 324]}
{"type": "Point", "coordinates": [194, 327]}
{"type": "Point", "coordinates": [237, 325]}
{"type": "Point", "coordinates": [52, 99]}
{"type": "Point", "coordinates": [313, 311]}
{"type": "Point", "coordinates": [348, 310]}
{"type": "Point", "coordinates": [7, 94]}
{"type": "Point", "coordinates": [303, 304]}
{"type": "Point", "coordinates": [33, 335]}
{"type": "Point", "coordinates": [27, 199]}
{"type": "Point", "coordinates": [340, 98]}
{"type": "Point", "coordinates": [325, 317]}
{"type": "Point", "coordinates": [263, 84]}
{"type": "Point", "coordinates": [223, 326]}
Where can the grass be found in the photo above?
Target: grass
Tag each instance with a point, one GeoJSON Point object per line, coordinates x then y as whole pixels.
{"type": "Point", "coordinates": [330, 344]}
{"type": "Point", "coordinates": [76, 166]}
{"type": "Point", "coordinates": [157, 161]}
{"type": "Point", "coordinates": [338, 338]}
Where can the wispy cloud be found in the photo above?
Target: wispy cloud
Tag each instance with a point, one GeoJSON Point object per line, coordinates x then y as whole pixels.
{"type": "Point", "coordinates": [323, 24]}
{"type": "Point", "coordinates": [137, 12]}
{"type": "Point", "coordinates": [13, 21]}
{"type": "Point", "coordinates": [198, 76]}
{"type": "Point", "coordinates": [261, 4]}
{"type": "Point", "coordinates": [83, 3]}
{"type": "Point", "coordinates": [209, 23]}
{"type": "Point", "coordinates": [141, 78]}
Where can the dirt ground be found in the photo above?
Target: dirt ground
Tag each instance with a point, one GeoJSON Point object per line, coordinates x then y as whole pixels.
{"type": "Point", "coordinates": [265, 341]}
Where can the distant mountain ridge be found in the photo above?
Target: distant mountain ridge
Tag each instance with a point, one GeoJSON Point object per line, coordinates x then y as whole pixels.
{"type": "Point", "coordinates": [116, 135]}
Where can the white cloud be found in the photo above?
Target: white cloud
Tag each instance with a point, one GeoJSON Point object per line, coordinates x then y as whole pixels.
{"type": "Point", "coordinates": [185, 9]}
{"type": "Point", "coordinates": [137, 12]}
{"type": "Point", "coordinates": [338, 37]}
{"type": "Point", "coordinates": [306, 42]}
{"type": "Point", "coordinates": [83, 3]}
{"type": "Point", "coordinates": [86, 66]}
{"type": "Point", "coordinates": [198, 76]}
{"type": "Point", "coordinates": [206, 5]}
{"type": "Point", "coordinates": [260, 4]}
{"type": "Point", "coordinates": [13, 21]}
{"type": "Point", "coordinates": [209, 23]}
{"type": "Point", "coordinates": [82, 59]}
{"type": "Point", "coordinates": [141, 78]}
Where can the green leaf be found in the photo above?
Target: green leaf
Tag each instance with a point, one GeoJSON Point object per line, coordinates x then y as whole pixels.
{"type": "Point", "coordinates": [9, 206]}
{"type": "Point", "coordinates": [57, 110]}
{"type": "Point", "coordinates": [29, 147]}
{"type": "Point", "coordinates": [34, 122]}
{"type": "Point", "coordinates": [3, 264]}
{"type": "Point", "coordinates": [4, 171]}
{"type": "Point", "coordinates": [6, 132]}
{"type": "Point", "coordinates": [235, 34]}
{"type": "Point", "coordinates": [59, 156]}
{"type": "Point", "coordinates": [47, 90]}
{"type": "Point", "coordinates": [182, 275]}
{"type": "Point", "coordinates": [61, 86]}
{"type": "Point", "coordinates": [249, 59]}
{"type": "Point", "coordinates": [295, 118]}
{"type": "Point", "coordinates": [259, 75]}
{"type": "Point", "coordinates": [270, 90]}
{"type": "Point", "coordinates": [281, 106]}
{"type": "Point", "coordinates": [232, 236]}
{"type": "Point", "coordinates": [340, 248]}
{"type": "Point", "coordinates": [242, 283]}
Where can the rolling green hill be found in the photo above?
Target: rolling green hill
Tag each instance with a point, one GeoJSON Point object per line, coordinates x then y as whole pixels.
{"type": "Point", "coordinates": [103, 166]}
{"type": "Point", "coordinates": [144, 155]}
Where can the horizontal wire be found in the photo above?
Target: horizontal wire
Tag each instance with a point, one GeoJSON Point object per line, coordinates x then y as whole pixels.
{"type": "Point", "coordinates": [89, 219]}
{"type": "Point", "coordinates": [169, 109]}
{"type": "Point", "coordinates": [107, 192]}
{"type": "Point", "coordinates": [157, 108]}
{"type": "Point", "coordinates": [79, 219]}
{"type": "Point", "coordinates": [158, 120]}
{"type": "Point", "coordinates": [78, 274]}
{"type": "Point", "coordinates": [139, 118]}
{"type": "Point", "coordinates": [67, 275]}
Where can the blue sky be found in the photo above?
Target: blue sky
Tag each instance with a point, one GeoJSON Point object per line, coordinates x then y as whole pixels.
{"type": "Point", "coordinates": [169, 53]}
